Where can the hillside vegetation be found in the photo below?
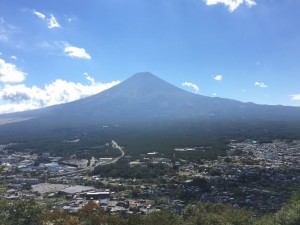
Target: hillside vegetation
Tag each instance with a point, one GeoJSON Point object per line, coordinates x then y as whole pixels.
{"type": "Point", "coordinates": [26, 211]}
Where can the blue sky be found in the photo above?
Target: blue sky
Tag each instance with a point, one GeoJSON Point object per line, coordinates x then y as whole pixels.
{"type": "Point", "coordinates": [53, 52]}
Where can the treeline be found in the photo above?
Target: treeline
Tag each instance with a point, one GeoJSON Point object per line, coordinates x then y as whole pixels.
{"type": "Point", "coordinates": [141, 139]}
{"type": "Point", "coordinates": [28, 212]}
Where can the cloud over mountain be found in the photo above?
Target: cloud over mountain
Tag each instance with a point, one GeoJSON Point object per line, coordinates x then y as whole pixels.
{"type": "Point", "coordinates": [295, 97]}
{"type": "Point", "coordinates": [189, 84]}
{"type": "Point", "coordinates": [10, 72]}
{"type": "Point", "coordinates": [21, 97]}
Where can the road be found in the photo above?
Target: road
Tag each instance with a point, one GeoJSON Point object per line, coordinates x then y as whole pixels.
{"type": "Point", "coordinates": [114, 160]}
{"type": "Point", "coordinates": [115, 145]}
{"type": "Point", "coordinates": [93, 165]}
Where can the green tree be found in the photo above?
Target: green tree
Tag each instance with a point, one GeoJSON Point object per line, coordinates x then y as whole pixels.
{"type": "Point", "coordinates": [216, 214]}
{"type": "Point", "coordinates": [161, 218]}
{"type": "Point", "coordinates": [22, 212]}
{"type": "Point", "coordinates": [91, 214]}
{"type": "Point", "coordinates": [287, 215]}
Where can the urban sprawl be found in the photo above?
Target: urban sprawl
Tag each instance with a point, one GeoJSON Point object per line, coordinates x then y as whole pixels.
{"type": "Point", "coordinates": [257, 176]}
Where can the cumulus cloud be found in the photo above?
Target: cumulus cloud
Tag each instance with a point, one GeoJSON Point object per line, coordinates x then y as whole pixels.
{"type": "Point", "coordinates": [14, 57]}
{"type": "Point", "coordinates": [16, 94]}
{"type": "Point", "coordinates": [260, 84]}
{"type": "Point", "coordinates": [51, 20]}
{"type": "Point", "coordinates": [231, 4]}
{"type": "Point", "coordinates": [218, 77]}
{"type": "Point", "coordinates": [189, 84]}
{"type": "Point", "coordinates": [76, 52]}
{"type": "Point", "coordinates": [21, 97]}
{"type": "Point", "coordinates": [10, 73]}
{"type": "Point", "coordinates": [295, 97]}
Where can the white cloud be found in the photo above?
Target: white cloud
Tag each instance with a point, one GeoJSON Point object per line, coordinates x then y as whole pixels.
{"type": "Point", "coordinates": [189, 84]}
{"type": "Point", "coordinates": [214, 94]}
{"type": "Point", "coordinates": [14, 57]}
{"type": "Point", "coordinates": [89, 78]}
{"type": "Point", "coordinates": [21, 97]}
{"type": "Point", "coordinates": [62, 47]}
{"type": "Point", "coordinates": [295, 97]}
{"type": "Point", "coordinates": [39, 14]}
{"type": "Point", "coordinates": [52, 22]}
{"type": "Point", "coordinates": [76, 52]}
{"type": "Point", "coordinates": [231, 4]}
{"type": "Point", "coordinates": [261, 85]}
{"type": "Point", "coordinates": [218, 77]}
{"type": "Point", "coordinates": [10, 73]}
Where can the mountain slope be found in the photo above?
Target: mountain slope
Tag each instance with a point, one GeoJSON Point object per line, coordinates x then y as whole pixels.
{"type": "Point", "coordinates": [145, 107]}
{"type": "Point", "coordinates": [144, 96]}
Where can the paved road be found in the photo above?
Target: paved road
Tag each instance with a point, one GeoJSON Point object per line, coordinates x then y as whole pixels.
{"type": "Point", "coordinates": [114, 160]}
{"type": "Point", "coordinates": [92, 167]}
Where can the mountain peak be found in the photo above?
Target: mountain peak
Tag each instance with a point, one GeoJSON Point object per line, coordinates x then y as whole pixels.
{"type": "Point", "coordinates": [144, 82]}
{"type": "Point", "coordinates": [143, 77]}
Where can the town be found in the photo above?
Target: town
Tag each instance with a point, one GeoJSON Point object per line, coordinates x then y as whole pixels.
{"type": "Point", "coordinates": [256, 176]}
